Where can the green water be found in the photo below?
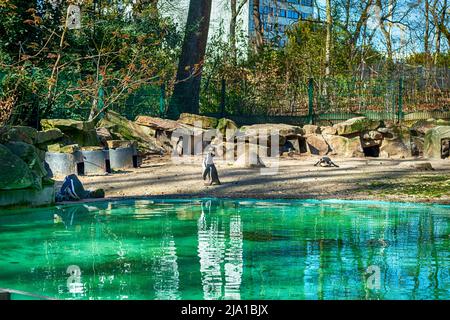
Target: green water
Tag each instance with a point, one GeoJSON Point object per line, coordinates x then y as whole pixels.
{"type": "Point", "coordinates": [228, 249]}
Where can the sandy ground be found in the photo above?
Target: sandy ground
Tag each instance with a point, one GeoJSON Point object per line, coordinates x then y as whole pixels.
{"type": "Point", "coordinates": [297, 178]}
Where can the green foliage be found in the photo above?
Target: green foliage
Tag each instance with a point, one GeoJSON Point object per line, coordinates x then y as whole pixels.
{"type": "Point", "coordinates": [116, 55]}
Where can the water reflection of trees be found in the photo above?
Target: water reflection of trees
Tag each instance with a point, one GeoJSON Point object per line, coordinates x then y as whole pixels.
{"type": "Point", "coordinates": [328, 252]}
{"type": "Point", "coordinates": [232, 250]}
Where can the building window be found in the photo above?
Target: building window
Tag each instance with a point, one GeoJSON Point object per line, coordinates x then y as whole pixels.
{"type": "Point", "coordinates": [282, 13]}
{"type": "Point", "coordinates": [292, 14]}
{"type": "Point", "coordinates": [307, 3]}
{"type": "Point", "coordinates": [305, 16]}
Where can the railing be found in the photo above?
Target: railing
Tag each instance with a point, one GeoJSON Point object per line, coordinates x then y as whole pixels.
{"type": "Point", "coordinates": [10, 294]}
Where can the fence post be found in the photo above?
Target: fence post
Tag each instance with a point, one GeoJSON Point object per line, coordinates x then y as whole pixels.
{"type": "Point", "coordinates": [311, 101]}
{"type": "Point", "coordinates": [162, 100]}
{"type": "Point", "coordinates": [400, 100]}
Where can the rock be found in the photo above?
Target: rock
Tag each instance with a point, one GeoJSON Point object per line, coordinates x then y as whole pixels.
{"type": "Point", "coordinates": [114, 144]}
{"type": "Point", "coordinates": [420, 127]}
{"type": "Point", "coordinates": [417, 144]}
{"type": "Point", "coordinates": [225, 150]}
{"type": "Point", "coordinates": [311, 129]}
{"type": "Point", "coordinates": [91, 148]}
{"type": "Point", "coordinates": [345, 147]}
{"type": "Point", "coordinates": [225, 125]}
{"type": "Point", "coordinates": [356, 125]}
{"type": "Point", "coordinates": [71, 148]}
{"type": "Point", "coordinates": [163, 138]}
{"type": "Point", "coordinates": [14, 172]}
{"type": "Point", "coordinates": [394, 148]}
{"type": "Point", "coordinates": [383, 130]}
{"type": "Point", "coordinates": [424, 166]}
{"type": "Point", "coordinates": [197, 120]}
{"type": "Point", "coordinates": [28, 153]}
{"type": "Point", "coordinates": [103, 134]}
{"type": "Point", "coordinates": [395, 132]}
{"type": "Point", "coordinates": [67, 124]}
{"type": "Point", "coordinates": [82, 133]}
{"type": "Point", "coordinates": [123, 129]}
{"type": "Point", "coordinates": [433, 141]}
{"type": "Point", "coordinates": [157, 123]}
{"type": "Point", "coordinates": [373, 135]}
{"type": "Point", "coordinates": [371, 139]}
{"type": "Point", "coordinates": [317, 144]}
{"type": "Point", "coordinates": [292, 144]}
{"type": "Point", "coordinates": [58, 148]}
{"type": "Point", "coordinates": [249, 159]}
{"type": "Point", "coordinates": [329, 130]}
{"type": "Point", "coordinates": [285, 130]}
{"type": "Point", "coordinates": [23, 134]}
{"type": "Point", "coordinates": [442, 122]}
{"type": "Point", "coordinates": [264, 132]}
{"type": "Point", "coordinates": [48, 136]}
{"type": "Point", "coordinates": [149, 131]}
{"type": "Point", "coordinates": [370, 143]}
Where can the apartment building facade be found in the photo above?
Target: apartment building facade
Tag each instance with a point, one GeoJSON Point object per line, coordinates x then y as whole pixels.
{"type": "Point", "coordinates": [276, 17]}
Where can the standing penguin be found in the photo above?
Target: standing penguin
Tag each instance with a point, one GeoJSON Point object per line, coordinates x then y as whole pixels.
{"type": "Point", "coordinates": [209, 169]}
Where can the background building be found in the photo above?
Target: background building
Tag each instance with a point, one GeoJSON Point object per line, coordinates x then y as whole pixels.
{"type": "Point", "coordinates": [276, 17]}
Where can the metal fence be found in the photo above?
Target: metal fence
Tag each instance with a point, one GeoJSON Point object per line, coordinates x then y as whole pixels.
{"type": "Point", "coordinates": [421, 94]}
{"type": "Point", "coordinates": [412, 96]}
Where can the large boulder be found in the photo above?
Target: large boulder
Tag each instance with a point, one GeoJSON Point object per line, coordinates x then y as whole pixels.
{"type": "Point", "coordinates": [157, 123]}
{"type": "Point", "coordinates": [225, 125]}
{"type": "Point", "coordinates": [396, 141]}
{"type": "Point", "coordinates": [328, 130]}
{"type": "Point", "coordinates": [48, 136]}
{"type": "Point", "coordinates": [266, 131]}
{"type": "Point", "coordinates": [433, 141]}
{"type": "Point", "coordinates": [394, 148]}
{"type": "Point", "coordinates": [123, 129]}
{"type": "Point", "coordinates": [197, 120]}
{"type": "Point", "coordinates": [67, 124]}
{"type": "Point", "coordinates": [345, 147]}
{"type": "Point", "coordinates": [82, 133]}
{"type": "Point", "coordinates": [29, 154]}
{"type": "Point", "coordinates": [311, 129]}
{"type": "Point", "coordinates": [356, 125]}
{"type": "Point", "coordinates": [316, 144]}
{"type": "Point", "coordinates": [249, 159]}
{"type": "Point", "coordinates": [22, 133]}
{"type": "Point", "coordinates": [371, 139]}
{"type": "Point", "coordinates": [14, 172]}
{"type": "Point", "coordinates": [285, 130]}
{"type": "Point", "coordinates": [420, 127]}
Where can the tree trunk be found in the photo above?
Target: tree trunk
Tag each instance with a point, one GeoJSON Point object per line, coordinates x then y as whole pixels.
{"type": "Point", "coordinates": [259, 33]}
{"type": "Point", "coordinates": [426, 39]}
{"type": "Point", "coordinates": [328, 40]}
{"type": "Point", "coordinates": [186, 94]}
{"type": "Point", "coordinates": [234, 15]}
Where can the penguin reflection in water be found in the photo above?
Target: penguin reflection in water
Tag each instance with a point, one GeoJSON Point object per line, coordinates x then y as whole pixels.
{"type": "Point", "coordinates": [209, 169]}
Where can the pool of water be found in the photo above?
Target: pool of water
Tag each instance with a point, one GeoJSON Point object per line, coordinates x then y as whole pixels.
{"type": "Point", "coordinates": [228, 249]}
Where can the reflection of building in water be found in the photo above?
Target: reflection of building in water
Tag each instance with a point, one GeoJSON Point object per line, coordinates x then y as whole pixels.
{"type": "Point", "coordinates": [165, 268]}
{"type": "Point", "coordinates": [233, 260]}
{"type": "Point", "coordinates": [216, 257]}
